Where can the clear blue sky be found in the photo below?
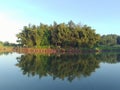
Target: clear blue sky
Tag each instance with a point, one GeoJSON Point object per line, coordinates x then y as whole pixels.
{"type": "Point", "coordinates": [102, 15]}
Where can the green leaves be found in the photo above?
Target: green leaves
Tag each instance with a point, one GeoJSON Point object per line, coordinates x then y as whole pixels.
{"type": "Point", "coordinates": [59, 35]}
{"type": "Point", "coordinates": [109, 40]}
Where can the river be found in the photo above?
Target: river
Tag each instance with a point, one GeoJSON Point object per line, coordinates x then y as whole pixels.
{"type": "Point", "coordinates": [60, 71]}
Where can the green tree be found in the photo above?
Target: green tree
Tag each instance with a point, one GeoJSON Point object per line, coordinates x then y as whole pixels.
{"type": "Point", "coordinates": [62, 35]}
{"type": "Point", "coordinates": [109, 40]}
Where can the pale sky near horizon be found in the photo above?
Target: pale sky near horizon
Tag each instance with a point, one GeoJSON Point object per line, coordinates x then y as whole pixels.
{"type": "Point", "coordinates": [102, 15]}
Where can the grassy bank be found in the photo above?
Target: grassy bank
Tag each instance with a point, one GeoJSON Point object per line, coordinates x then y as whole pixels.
{"type": "Point", "coordinates": [61, 50]}
{"type": "Point", "coordinates": [55, 50]}
{"type": "Point", "coordinates": [6, 49]}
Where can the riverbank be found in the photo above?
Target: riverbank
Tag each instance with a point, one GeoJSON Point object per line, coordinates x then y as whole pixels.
{"type": "Point", "coordinates": [104, 48]}
{"type": "Point", "coordinates": [54, 51]}
{"type": "Point", "coordinates": [6, 49]}
{"type": "Point", "coordinates": [59, 50]}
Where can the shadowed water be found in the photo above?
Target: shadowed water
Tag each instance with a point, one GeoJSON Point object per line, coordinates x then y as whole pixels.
{"type": "Point", "coordinates": [59, 72]}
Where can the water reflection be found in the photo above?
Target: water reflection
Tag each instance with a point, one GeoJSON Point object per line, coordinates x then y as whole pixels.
{"type": "Point", "coordinates": [111, 58]}
{"type": "Point", "coordinates": [63, 66]}
{"type": "Point", "coordinates": [5, 53]}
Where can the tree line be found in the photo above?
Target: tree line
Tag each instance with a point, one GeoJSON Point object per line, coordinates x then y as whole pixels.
{"type": "Point", "coordinates": [6, 43]}
{"type": "Point", "coordinates": [63, 36]}
{"type": "Point", "coordinates": [58, 35]}
{"type": "Point", "coordinates": [110, 40]}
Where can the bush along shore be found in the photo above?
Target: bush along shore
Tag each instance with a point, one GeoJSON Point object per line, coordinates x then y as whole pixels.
{"type": "Point", "coordinates": [62, 38]}
{"type": "Point", "coordinates": [61, 35]}
{"type": "Point", "coordinates": [60, 50]}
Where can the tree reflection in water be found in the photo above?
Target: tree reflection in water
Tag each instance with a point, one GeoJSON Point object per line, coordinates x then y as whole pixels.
{"type": "Point", "coordinates": [63, 66]}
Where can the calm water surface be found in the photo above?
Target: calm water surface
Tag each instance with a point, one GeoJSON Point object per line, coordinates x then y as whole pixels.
{"type": "Point", "coordinates": [59, 72]}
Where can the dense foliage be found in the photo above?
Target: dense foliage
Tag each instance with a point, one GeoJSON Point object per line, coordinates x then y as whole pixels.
{"type": "Point", "coordinates": [58, 35]}
{"type": "Point", "coordinates": [110, 40]}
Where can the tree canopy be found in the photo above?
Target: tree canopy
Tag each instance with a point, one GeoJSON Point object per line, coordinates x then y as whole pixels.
{"type": "Point", "coordinates": [110, 40]}
{"type": "Point", "coordinates": [58, 35]}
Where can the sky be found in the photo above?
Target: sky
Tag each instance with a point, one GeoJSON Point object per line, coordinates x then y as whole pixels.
{"type": "Point", "coordinates": [101, 15]}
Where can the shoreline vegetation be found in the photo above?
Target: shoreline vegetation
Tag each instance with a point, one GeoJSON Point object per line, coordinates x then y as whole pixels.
{"type": "Point", "coordinates": [49, 51]}
{"type": "Point", "coordinates": [63, 35]}
{"type": "Point", "coordinates": [62, 38]}
{"type": "Point", "coordinates": [6, 49]}
{"type": "Point", "coordinates": [54, 51]}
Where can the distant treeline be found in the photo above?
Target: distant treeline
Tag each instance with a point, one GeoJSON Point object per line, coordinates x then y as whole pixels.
{"type": "Point", "coordinates": [2, 44]}
{"type": "Point", "coordinates": [110, 40]}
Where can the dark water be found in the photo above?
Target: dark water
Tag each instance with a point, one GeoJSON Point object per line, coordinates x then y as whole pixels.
{"type": "Point", "coordinates": [59, 72]}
